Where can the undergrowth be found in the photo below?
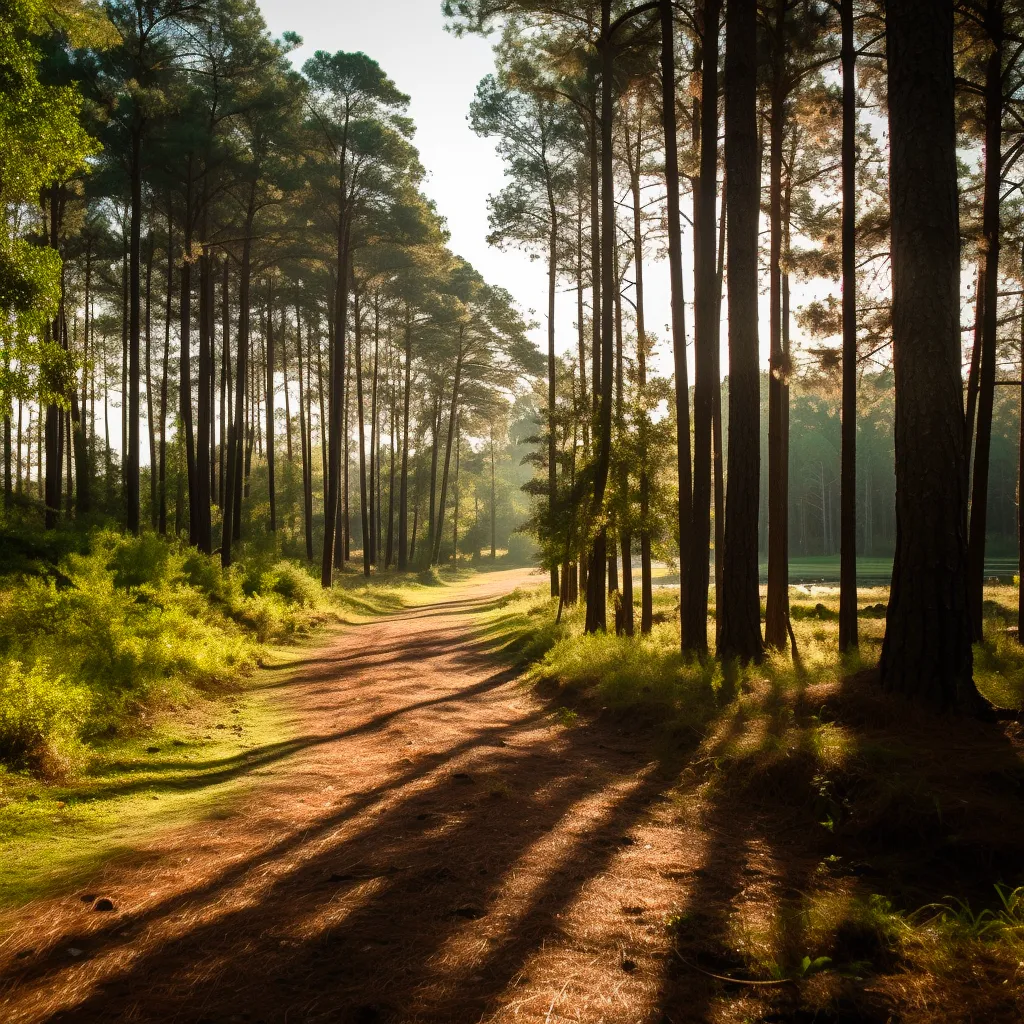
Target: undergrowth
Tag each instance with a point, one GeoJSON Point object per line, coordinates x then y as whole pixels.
{"type": "Point", "coordinates": [902, 857]}
{"type": "Point", "coordinates": [108, 636]}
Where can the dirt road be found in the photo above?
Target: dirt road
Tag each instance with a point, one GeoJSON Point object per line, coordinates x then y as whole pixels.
{"type": "Point", "coordinates": [435, 846]}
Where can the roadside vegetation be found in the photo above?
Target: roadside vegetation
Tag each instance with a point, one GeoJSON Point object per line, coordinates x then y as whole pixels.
{"type": "Point", "coordinates": [896, 880]}
{"type": "Point", "coordinates": [129, 696]}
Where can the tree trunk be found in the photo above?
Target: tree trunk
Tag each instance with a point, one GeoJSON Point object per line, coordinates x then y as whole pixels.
{"type": "Point", "coordinates": [716, 425]}
{"type": "Point", "coordinates": [624, 624]}
{"type": "Point", "coordinates": [305, 443]}
{"type": "Point", "coordinates": [1020, 496]}
{"type": "Point", "coordinates": [53, 439]}
{"type": "Point", "coordinates": [132, 467]}
{"type": "Point", "coordinates": [337, 370]}
{"type": "Point", "coordinates": [675, 259]}
{"type": "Point", "coordinates": [287, 393]}
{"type": "Point", "coordinates": [603, 375]}
{"type": "Point", "coordinates": [83, 493]}
{"type": "Point", "coordinates": [494, 549]}
{"type": "Point", "coordinates": [271, 355]}
{"type": "Point", "coordinates": [363, 508]}
{"type": "Point", "coordinates": [403, 501]}
{"type": "Point", "coordinates": [848, 470]}
{"type": "Point", "coordinates": [455, 510]}
{"type": "Point", "coordinates": [739, 603]}
{"type": "Point", "coordinates": [552, 289]}
{"type": "Point", "coordinates": [8, 480]}
{"type": "Point", "coordinates": [987, 379]}
{"type": "Point", "coordinates": [225, 383]}
{"type": "Point", "coordinates": [926, 653]}
{"type": "Point", "coordinates": [706, 339]}
{"type": "Point", "coordinates": [165, 376]}
{"type": "Point", "coordinates": [374, 437]}
{"type": "Point", "coordinates": [185, 366]}
{"type": "Point", "coordinates": [452, 416]}
{"type": "Point", "coordinates": [230, 527]}
{"type": "Point", "coordinates": [435, 430]}
{"type": "Point", "coordinates": [201, 496]}
{"type": "Point", "coordinates": [151, 425]}
{"type": "Point", "coordinates": [776, 622]}
{"type": "Point", "coordinates": [343, 548]}
{"type": "Point", "coordinates": [392, 419]}
{"type": "Point", "coordinates": [646, 582]}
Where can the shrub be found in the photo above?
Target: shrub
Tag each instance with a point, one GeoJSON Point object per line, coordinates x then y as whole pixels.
{"type": "Point", "coordinates": [133, 623]}
{"type": "Point", "coordinates": [40, 714]}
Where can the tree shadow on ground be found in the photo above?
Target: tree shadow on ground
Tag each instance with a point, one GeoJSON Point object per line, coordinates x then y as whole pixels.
{"type": "Point", "coordinates": [833, 812]}
{"type": "Point", "coordinates": [432, 894]}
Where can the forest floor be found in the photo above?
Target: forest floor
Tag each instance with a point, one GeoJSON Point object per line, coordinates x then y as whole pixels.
{"type": "Point", "coordinates": [440, 843]}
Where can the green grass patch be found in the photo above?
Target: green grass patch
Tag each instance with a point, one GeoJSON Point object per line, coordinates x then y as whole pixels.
{"type": "Point", "coordinates": [176, 767]}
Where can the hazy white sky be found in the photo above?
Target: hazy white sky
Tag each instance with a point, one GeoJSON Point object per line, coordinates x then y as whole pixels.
{"type": "Point", "coordinates": [440, 73]}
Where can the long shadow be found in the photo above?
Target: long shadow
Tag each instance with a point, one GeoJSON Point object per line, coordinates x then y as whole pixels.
{"type": "Point", "coordinates": [278, 850]}
{"type": "Point", "coordinates": [217, 772]}
{"type": "Point", "coordinates": [536, 790]}
{"type": "Point", "coordinates": [768, 857]}
{"type": "Point", "coordinates": [354, 930]}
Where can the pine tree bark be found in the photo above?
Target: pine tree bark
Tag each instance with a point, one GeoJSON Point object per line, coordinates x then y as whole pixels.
{"type": "Point", "coordinates": [646, 578]}
{"type": "Point", "coordinates": [287, 396]}
{"type": "Point", "coordinates": [392, 421]}
{"type": "Point", "coordinates": [270, 399]}
{"type": "Point", "coordinates": [364, 512]}
{"type": "Point", "coordinates": [848, 458]}
{"type": "Point", "coordinates": [201, 496]}
{"type": "Point", "coordinates": [739, 602]}
{"type": "Point", "coordinates": [231, 523]}
{"type": "Point", "coordinates": [305, 441]}
{"type": "Point", "coordinates": [987, 377]}
{"type": "Point", "coordinates": [435, 430]}
{"type": "Point", "coordinates": [675, 259]}
{"type": "Point", "coordinates": [225, 383]}
{"type": "Point", "coordinates": [52, 430]}
{"type": "Point", "coordinates": [552, 291]}
{"type": "Point", "coordinates": [1020, 496]}
{"type": "Point", "coordinates": [374, 485]}
{"type": "Point", "coordinates": [132, 467]}
{"type": "Point", "coordinates": [706, 337]}
{"type": "Point", "coordinates": [926, 653]}
{"type": "Point", "coordinates": [452, 417]}
{"type": "Point", "coordinates": [165, 376]}
{"type": "Point", "coordinates": [150, 424]}
{"type": "Point", "coordinates": [83, 491]}
{"type": "Point", "coordinates": [337, 370]}
{"type": "Point", "coordinates": [403, 501]}
{"type": "Point", "coordinates": [776, 624]}
{"type": "Point", "coordinates": [624, 620]}
{"type": "Point", "coordinates": [603, 369]}
{"type": "Point", "coordinates": [718, 458]}
{"type": "Point", "coordinates": [185, 363]}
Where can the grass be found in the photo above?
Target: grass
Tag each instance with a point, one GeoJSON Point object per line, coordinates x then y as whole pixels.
{"type": "Point", "coordinates": [900, 859]}
{"type": "Point", "coordinates": [129, 693]}
{"type": "Point", "coordinates": [184, 766]}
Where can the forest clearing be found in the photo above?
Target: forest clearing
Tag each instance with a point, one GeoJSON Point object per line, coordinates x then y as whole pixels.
{"type": "Point", "coordinates": [511, 511]}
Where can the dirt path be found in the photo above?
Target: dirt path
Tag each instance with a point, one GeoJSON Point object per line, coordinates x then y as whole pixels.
{"type": "Point", "coordinates": [433, 847]}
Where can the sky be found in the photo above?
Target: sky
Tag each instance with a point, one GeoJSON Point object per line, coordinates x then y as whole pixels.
{"type": "Point", "coordinates": [440, 73]}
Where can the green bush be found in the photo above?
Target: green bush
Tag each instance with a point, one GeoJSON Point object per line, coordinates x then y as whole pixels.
{"type": "Point", "coordinates": [133, 624]}
{"type": "Point", "coordinates": [39, 712]}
